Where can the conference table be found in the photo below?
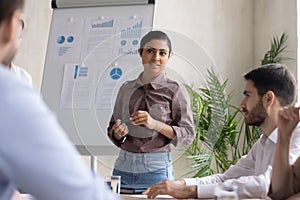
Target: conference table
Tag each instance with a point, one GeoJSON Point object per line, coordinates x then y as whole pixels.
{"type": "Point", "coordinates": [135, 197]}
{"type": "Point", "coordinates": [123, 196]}
{"type": "Point", "coordinates": [140, 196]}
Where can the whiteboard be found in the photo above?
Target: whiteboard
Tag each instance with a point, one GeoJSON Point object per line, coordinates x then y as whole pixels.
{"type": "Point", "coordinates": [91, 51]}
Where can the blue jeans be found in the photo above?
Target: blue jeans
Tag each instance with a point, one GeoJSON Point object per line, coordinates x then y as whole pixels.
{"type": "Point", "coordinates": [143, 169]}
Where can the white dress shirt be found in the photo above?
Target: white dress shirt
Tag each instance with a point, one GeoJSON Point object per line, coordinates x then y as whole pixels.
{"type": "Point", "coordinates": [36, 156]}
{"type": "Point", "coordinates": [22, 74]}
{"type": "Point", "coordinates": [252, 173]}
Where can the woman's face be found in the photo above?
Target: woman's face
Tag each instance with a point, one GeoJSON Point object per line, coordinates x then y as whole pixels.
{"type": "Point", "coordinates": [155, 56]}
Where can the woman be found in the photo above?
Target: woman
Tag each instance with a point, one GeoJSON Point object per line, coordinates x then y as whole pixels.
{"type": "Point", "coordinates": [150, 113]}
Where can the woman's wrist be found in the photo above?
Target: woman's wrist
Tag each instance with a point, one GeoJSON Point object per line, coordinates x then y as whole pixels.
{"type": "Point", "coordinates": [118, 136]}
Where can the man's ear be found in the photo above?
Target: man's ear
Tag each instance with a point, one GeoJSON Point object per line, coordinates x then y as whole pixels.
{"type": "Point", "coordinates": [269, 97]}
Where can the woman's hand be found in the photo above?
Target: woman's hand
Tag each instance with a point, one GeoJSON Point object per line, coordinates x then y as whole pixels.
{"type": "Point", "coordinates": [143, 118]}
{"type": "Point", "coordinates": [288, 118]}
{"type": "Point", "coordinates": [120, 129]}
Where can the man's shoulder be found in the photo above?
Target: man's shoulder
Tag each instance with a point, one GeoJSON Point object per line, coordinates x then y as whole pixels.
{"type": "Point", "coordinates": [7, 80]}
{"type": "Point", "coordinates": [16, 95]}
{"type": "Point", "coordinates": [22, 74]}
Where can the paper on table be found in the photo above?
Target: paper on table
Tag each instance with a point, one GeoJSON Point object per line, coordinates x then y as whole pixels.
{"type": "Point", "coordinates": [161, 196]}
{"type": "Point", "coordinates": [27, 197]}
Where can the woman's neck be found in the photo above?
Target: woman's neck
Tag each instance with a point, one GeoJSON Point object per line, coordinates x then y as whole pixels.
{"type": "Point", "coordinates": [146, 78]}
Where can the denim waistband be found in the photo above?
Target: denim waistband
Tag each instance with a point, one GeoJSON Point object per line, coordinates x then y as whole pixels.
{"type": "Point", "coordinates": [143, 162]}
{"type": "Point", "coordinates": [145, 156]}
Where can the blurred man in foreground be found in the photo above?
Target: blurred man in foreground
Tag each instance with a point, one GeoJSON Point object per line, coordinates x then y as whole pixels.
{"type": "Point", "coordinates": [35, 154]}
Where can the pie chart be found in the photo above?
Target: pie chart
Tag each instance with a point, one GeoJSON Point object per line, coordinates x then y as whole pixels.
{"type": "Point", "coordinates": [115, 73]}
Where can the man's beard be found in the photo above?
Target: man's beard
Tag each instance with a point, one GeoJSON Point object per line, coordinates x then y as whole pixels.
{"type": "Point", "coordinates": [257, 116]}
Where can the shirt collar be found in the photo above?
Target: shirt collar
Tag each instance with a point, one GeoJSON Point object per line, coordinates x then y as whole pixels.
{"type": "Point", "coordinates": [156, 83]}
{"type": "Point", "coordinates": [272, 137]}
{"type": "Point", "coordinates": [13, 68]}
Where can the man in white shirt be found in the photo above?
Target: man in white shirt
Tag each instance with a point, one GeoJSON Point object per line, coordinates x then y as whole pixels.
{"type": "Point", "coordinates": [35, 153]}
{"type": "Point", "coordinates": [20, 72]}
{"type": "Point", "coordinates": [268, 89]}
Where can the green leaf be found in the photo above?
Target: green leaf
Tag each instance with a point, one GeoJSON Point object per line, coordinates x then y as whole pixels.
{"type": "Point", "coordinates": [278, 46]}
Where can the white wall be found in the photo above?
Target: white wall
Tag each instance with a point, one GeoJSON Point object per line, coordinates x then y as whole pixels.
{"type": "Point", "coordinates": [273, 17]}
{"type": "Point", "coordinates": [234, 34]}
{"type": "Point", "coordinates": [223, 28]}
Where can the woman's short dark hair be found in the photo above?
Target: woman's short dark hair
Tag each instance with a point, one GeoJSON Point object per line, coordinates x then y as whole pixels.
{"type": "Point", "coordinates": [156, 35]}
{"type": "Point", "coordinates": [276, 78]}
{"type": "Point", "coordinates": [7, 7]}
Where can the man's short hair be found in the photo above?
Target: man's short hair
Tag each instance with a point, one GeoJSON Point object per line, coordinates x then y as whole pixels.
{"type": "Point", "coordinates": [276, 78]}
{"type": "Point", "coordinates": [7, 7]}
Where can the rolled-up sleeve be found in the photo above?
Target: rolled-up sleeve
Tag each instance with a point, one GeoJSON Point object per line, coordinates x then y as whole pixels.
{"type": "Point", "coordinates": [116, 115]}
{"type": "Point", "coordinates": [183, 124]}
